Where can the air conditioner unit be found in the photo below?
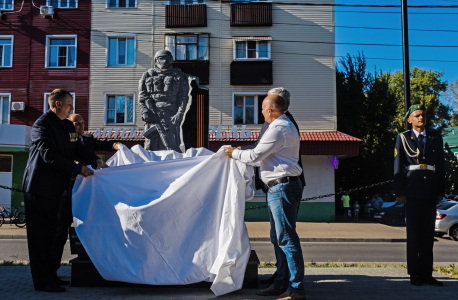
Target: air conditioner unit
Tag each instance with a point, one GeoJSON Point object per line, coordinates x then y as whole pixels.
{"type": "Point", "coordinates": [18, 106]}
{"type": "Point", "coordinates": [46, 11]}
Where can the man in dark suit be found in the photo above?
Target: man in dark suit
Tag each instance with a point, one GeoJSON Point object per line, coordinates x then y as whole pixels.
{"type": "Point", "coordinates": [65, 218]}
{"type": "Point", "coordinates": [46, 178]}
{"type": "Point", "coordinates": [282, 92]}
{"type": "Point", "coordinates": [419, 183]}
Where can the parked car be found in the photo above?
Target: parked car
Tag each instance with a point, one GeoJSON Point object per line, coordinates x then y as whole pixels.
{"type": "Point", "coordinates": [391, 213]}
{"type": "Point", "coordinates": [447, 219]}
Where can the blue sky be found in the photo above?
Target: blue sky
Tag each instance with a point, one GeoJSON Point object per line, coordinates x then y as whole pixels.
{"type": "Point", "coordinates": [429, 21]}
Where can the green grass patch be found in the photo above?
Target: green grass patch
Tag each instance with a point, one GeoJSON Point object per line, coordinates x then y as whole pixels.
{"type": "Point", "coordinates": [338, 265]}
{"type": "Point", "coordinates": [24, 263]}
{"type": "Point", "coordinates": [451, 270]}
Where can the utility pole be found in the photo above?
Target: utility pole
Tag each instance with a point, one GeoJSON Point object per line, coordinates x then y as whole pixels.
{"type": "Point", "coordinates": [405, 54]}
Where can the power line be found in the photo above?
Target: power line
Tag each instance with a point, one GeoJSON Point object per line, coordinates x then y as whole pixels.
{"type": "Point", "coordinates": [343, 5]}
{"type": "Point", "coordinates": [296, 24]}
{"type": "Point", "coordinates": [286, 41]}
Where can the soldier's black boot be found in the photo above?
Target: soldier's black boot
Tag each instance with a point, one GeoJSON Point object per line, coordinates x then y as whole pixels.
{"type": "Point", "coordinates": [416, 280]}
{"type": "Point", "coordinates": [432, 281]}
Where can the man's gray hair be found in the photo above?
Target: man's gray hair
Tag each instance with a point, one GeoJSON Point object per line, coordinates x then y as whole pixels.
{"type": "Point", "coordinates": [282, 92]}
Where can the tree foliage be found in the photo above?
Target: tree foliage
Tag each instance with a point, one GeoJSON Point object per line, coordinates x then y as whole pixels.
{"type": "Point", "coordinates": [426, 87]}
{"type": "Point", "coordinates": [365, 104]}
{"type": "Point", "coordinates": [451, 169]}
{"type": "Point", "coordinates": [451, 98]}
{"type": "Point", "coordinates": [371, 107]}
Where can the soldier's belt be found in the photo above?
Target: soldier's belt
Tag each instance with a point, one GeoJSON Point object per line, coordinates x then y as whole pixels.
{"type": "Point", "coordinates": [420, 167]}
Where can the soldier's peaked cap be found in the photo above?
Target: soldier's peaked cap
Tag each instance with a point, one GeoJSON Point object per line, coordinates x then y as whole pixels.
{"type": "Point", "coordinates": [414, 108]}
{"type": "Point", "coordinates": [163, 53]}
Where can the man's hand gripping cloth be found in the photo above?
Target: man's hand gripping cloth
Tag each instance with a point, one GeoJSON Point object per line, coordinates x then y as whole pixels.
{"type": "Point", "coordinates": [165, 218]}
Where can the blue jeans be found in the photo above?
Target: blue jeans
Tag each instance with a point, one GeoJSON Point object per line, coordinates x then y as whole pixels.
{"type": "Point", "coordinates": [283, 200]}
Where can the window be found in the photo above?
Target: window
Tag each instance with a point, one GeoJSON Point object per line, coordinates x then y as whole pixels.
{"type": "Point", "coordinates": [172, 2]}
{"type": "Point", "coordinates": [252, 50]}
{"type": "Point", "coordinates": [5, 108]}
{"type": "Point", "coordinates": [46, 103]}
{"type": "Point", "coordinates": [63, 3]}
{"type": "Point", "coordinates": [247, 109]}
{"type": "Point", "coordinates": [61, 51]}
{"type": "Point", "coordinates": [188, 46]}
{"type": "Point", "coordinates": [6, 5]}
{"type": "Point", "coordinates": [6, 51]}
{"type": "Point", "coordinates": [120, 108]}
{"type": "Point", "coordinates": [121, 3]}
{"type": "Point", "coordinates": [121, 50]}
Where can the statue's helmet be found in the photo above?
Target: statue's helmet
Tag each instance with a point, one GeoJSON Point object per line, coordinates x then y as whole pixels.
{"type": "Point", "coordinates": [163, 53]}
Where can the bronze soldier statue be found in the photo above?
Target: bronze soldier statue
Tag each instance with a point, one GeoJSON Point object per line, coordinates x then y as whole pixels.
{"type": "Point", "coordinates": [164, 95]}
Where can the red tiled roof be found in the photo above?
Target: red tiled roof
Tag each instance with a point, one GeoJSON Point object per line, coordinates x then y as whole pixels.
{"type": "Point", "coordinates": [112, 137]}
{"type": "Point", "coordinates": [331, 136]}
{"type": "Point", "coordinates": [312, 143]}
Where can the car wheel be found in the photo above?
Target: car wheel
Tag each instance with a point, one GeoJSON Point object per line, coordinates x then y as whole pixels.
{"type": "Point", "coordinates": [439, 234]}
{"type": "Point", "coordinates": [454, 233]}
{"type": "Point", "coordinates": [393, 220]}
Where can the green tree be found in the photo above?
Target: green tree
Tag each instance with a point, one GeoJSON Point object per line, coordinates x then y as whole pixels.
{"type": "Point", "coordinates": [365, 106]}
{"type": "Point", "coordinates": [451, 98]}
{"type": "Point", "coordinates": [426, 87]}
{"type": "Point", "coordinates": [451, 169]}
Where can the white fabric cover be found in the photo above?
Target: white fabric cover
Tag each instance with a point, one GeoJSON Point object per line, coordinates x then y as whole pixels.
{"type": "Point", "coordinates": [166, 218]}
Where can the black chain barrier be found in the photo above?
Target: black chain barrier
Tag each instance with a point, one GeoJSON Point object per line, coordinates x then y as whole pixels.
{"type": "Point", "coordinates": [10, 188]}
{"type": "Point", "coordinates": [263, 206]}
{"type": "Point", "coordinates": [329, 195]}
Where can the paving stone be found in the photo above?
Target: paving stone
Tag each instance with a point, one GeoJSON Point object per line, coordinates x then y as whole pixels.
{"type": "Point", "coordinates": [320, 283]}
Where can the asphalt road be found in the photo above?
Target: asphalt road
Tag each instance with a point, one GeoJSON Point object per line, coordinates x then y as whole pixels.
{"type": "Point", "coordinates": [444, 251]}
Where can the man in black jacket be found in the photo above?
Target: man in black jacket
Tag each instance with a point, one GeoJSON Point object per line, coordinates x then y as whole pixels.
{"type": "Point", "coordinates": [282, 92]}
{"type": "Point", "coordinates": [65, 219]}
{"type": "Point", "coordinates": [46, 178]}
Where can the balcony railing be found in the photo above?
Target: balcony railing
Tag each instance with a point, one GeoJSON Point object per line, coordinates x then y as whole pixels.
{"type": "Point", "coordinates": [186, 15]}
{"type": "Point", "coordinates": [251, 72]}
{"type": "Point", "coordinates": [251, 14]}
{"type": "Point", "coordinates": [200, 69]}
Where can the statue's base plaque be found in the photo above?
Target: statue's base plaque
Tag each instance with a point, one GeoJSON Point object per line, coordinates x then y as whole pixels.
{"type": "Point", "coordinates": [85, 274]}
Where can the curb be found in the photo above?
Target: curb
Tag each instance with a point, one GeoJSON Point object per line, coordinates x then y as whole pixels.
{"type": "Point", "coordinates": [336, 240]}
{"type": "Point", "coordinates": [266, 239]}
{"type": "Point", "coordinates": [13, 237]}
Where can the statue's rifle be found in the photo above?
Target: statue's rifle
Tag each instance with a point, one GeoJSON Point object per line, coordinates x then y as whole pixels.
{"type": "Point", "coordinates": [157, 122]}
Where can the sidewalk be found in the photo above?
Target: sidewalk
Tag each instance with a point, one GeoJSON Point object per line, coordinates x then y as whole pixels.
{"type": "Point", "coordinates": [308, 232]}
{"type": "Point", "coordinates": [320, 283]}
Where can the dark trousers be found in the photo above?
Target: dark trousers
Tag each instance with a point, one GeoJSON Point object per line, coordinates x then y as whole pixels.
{"type": "Point", "coordinates": [41, 214]}
{"type": "Point", "coordinates": [65, 220]}
{"type": "Point", "coordinates": [420, 221]}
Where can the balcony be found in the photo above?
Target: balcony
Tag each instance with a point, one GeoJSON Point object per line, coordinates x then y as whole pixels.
{"type": "Point", "coordinates": [251, 14]}
{"type": "Point", "coordinates": [186, 15]}
{"type": "Point", "coordinates": [200, 69]}
{"type": "Point", "coordinates": [251, 72]}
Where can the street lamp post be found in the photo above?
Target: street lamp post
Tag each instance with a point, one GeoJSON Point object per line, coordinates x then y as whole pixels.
{"type": "Point", "coordinates": [405, 54]}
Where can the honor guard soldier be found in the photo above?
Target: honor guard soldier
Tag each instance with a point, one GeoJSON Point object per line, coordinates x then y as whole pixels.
{"type": "Point", "coordinates": [419, 183]}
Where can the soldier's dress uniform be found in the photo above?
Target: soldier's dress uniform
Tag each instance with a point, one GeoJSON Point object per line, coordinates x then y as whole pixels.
{"type": "Point", "coordinates": [419, 175]}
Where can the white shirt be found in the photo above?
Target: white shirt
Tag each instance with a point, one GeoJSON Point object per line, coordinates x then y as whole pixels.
{"type": "Point", "coordinates": [418, 133]}
{"type": "Point", "coordinates": [277, 153]}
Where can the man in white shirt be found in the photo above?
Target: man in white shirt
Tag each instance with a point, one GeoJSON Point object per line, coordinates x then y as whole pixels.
{"type": "Point", "coordinates": [277, 155]}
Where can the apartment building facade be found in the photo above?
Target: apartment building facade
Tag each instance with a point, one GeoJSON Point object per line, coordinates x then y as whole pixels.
{"type": "Point", "coordinates": [239, 50]}
{"type": "Point", "coordinates": [41, 49]}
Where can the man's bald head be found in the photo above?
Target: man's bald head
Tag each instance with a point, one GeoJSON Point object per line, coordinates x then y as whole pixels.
{"type": "Point", "coordinates": [78, 121]}
{"type": "Point", "coordinates": [74, 117]}
{"type": "Point", "coordinates": [276, 102]}
{"type": "Point", "coordinates": [273, 107]}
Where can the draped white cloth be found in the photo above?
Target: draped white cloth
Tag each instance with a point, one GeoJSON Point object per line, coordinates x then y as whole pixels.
{"type": "Point", "coordinates": [166, 218]}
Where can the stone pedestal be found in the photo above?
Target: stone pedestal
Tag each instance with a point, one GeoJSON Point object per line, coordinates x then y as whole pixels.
{"type": "Point", "coordinates": [84, 273]}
